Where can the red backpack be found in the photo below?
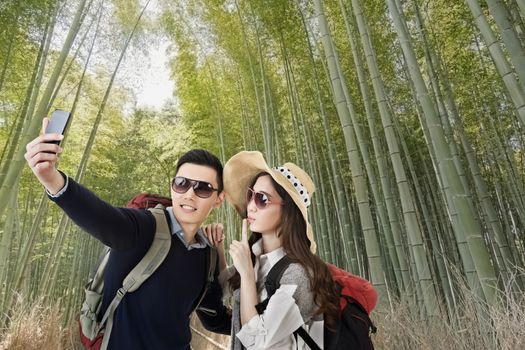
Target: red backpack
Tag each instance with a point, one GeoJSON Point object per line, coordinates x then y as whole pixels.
{"type": "Point", "coordinates": [357, 299]}
{"type": "Point", "coordinates": [358, 289]}
{"type": "Point", "coordinates": [148, 200]}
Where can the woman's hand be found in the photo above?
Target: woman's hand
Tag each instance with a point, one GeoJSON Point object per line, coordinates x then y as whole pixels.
{"type": "Point", "coordinates": [241, 255]}
{"type": "Point", "coordinates": [215, 234]}
{"type": "Point", "coordinates": [242, 260]}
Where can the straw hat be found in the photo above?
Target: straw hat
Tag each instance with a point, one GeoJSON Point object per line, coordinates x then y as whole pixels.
{"type": "Point", "coordinates": [242, 168]}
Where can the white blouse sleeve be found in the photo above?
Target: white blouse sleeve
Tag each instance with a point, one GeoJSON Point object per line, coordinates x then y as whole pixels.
{"type": "Point", "coordinates": [280, 319]}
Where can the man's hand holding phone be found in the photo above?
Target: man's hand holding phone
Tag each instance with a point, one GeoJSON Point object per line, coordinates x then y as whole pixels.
{"type": "Point", "coordinates": [42, 157]}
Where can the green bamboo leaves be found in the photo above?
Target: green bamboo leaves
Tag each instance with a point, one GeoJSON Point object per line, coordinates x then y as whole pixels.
{"type": "Point", "coordinates": [409, 115]}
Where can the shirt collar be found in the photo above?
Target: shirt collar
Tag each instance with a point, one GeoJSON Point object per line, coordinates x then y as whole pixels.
{"type": "Point", "coordinates": [176, 230]}
{"type": "Point", "coordinates": [273, 257]}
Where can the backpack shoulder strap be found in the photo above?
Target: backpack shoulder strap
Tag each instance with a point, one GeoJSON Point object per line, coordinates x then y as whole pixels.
{"type": "Point", "coordinates": [155, 255]}
{"type": "Point", "coordinates": [273, 281]}
{"type": "Point", "coordinates": [211, 261]}
{"type": "Point", "coordinates": [96, 283]}
{"type": "Point", "coordinates": [301, 332]}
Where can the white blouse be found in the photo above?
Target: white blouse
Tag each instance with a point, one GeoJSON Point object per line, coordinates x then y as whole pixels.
{"type": "Point", "coordinates": [274, 328]}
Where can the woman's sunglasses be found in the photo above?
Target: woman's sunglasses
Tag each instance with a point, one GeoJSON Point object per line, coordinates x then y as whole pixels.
{"type": "Point", "coordinates": [201, 189]}
{"type": "Point", "coordinates": [261, 199]}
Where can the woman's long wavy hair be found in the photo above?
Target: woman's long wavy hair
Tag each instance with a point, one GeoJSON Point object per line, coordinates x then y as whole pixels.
{"type": "Point", "coordinates": [292, 231]}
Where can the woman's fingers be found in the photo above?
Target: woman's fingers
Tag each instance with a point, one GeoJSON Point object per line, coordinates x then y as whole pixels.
{"type": "Point", "coordinates": [244, 232]}
{"type": "Point", "coordinates": [239, 250]}
{"type": "Point", "coordinates": [215, 233]}
{"type": "Point", "coordinates": [208, 232]}
{"type": "Point", "coordinates": [241, 258]}
{"type": "Point", "coordinates": [218, 233]}
{"type": "Point", "coordinates": [235, 247]}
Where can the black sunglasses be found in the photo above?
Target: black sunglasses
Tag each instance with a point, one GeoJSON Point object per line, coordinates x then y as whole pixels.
{"type": "Point", "coordinates": [261, 199]}
{"type": "Point", "coordinates": [201, 189]}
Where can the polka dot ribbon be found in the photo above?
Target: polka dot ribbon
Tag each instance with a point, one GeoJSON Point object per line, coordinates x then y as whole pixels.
{"type": "Point", "coordinates": [301, 190]}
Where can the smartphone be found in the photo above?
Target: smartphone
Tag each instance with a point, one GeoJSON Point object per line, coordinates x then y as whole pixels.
{"type": "Point", "coordinates": [58, 123]}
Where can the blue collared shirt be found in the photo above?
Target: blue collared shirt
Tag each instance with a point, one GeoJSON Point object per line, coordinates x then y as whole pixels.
{"type": "Point", "coordinates": [200, 237]}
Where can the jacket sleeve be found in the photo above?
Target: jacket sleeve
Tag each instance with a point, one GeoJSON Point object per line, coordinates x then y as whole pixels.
{"type": "Point", "coordinates": [212, 312]}
{"type": "Point", "coordinates": [118, 228]}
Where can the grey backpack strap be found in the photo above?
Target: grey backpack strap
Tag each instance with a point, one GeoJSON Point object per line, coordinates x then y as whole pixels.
{"type": "Point", "coordinates": [211, 260]}
{"type": "Point", "coordinates": [150, 262]}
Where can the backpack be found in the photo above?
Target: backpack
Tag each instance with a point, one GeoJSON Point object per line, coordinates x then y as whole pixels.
{"type": "Point", "coordinates": [357, 298]}
{"type": "Point", "coordinates": [95, 335]}
{"type": "Point", "coordinates": [148, 200]}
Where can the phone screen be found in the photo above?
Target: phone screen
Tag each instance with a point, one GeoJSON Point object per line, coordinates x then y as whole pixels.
{"type": "Point", "coordinates": [58, 122]}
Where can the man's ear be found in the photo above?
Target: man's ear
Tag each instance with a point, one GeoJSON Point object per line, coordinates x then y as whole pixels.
{"type": "Point", "coordinates": [219, 201]}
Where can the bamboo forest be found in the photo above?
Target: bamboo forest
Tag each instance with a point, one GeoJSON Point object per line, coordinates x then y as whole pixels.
{"type": "Point", "coordinates": [409, 115]}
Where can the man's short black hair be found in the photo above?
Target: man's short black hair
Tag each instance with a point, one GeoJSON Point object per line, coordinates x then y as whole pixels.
{"type": "Point", "coordinates": [202, 157]}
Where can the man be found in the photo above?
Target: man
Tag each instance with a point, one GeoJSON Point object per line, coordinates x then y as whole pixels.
{"type": "Point", "coordinates": [156, 316]}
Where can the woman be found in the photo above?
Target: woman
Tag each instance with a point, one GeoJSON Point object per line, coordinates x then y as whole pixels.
{"type": "Point", "coordinates": [273, 204]}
